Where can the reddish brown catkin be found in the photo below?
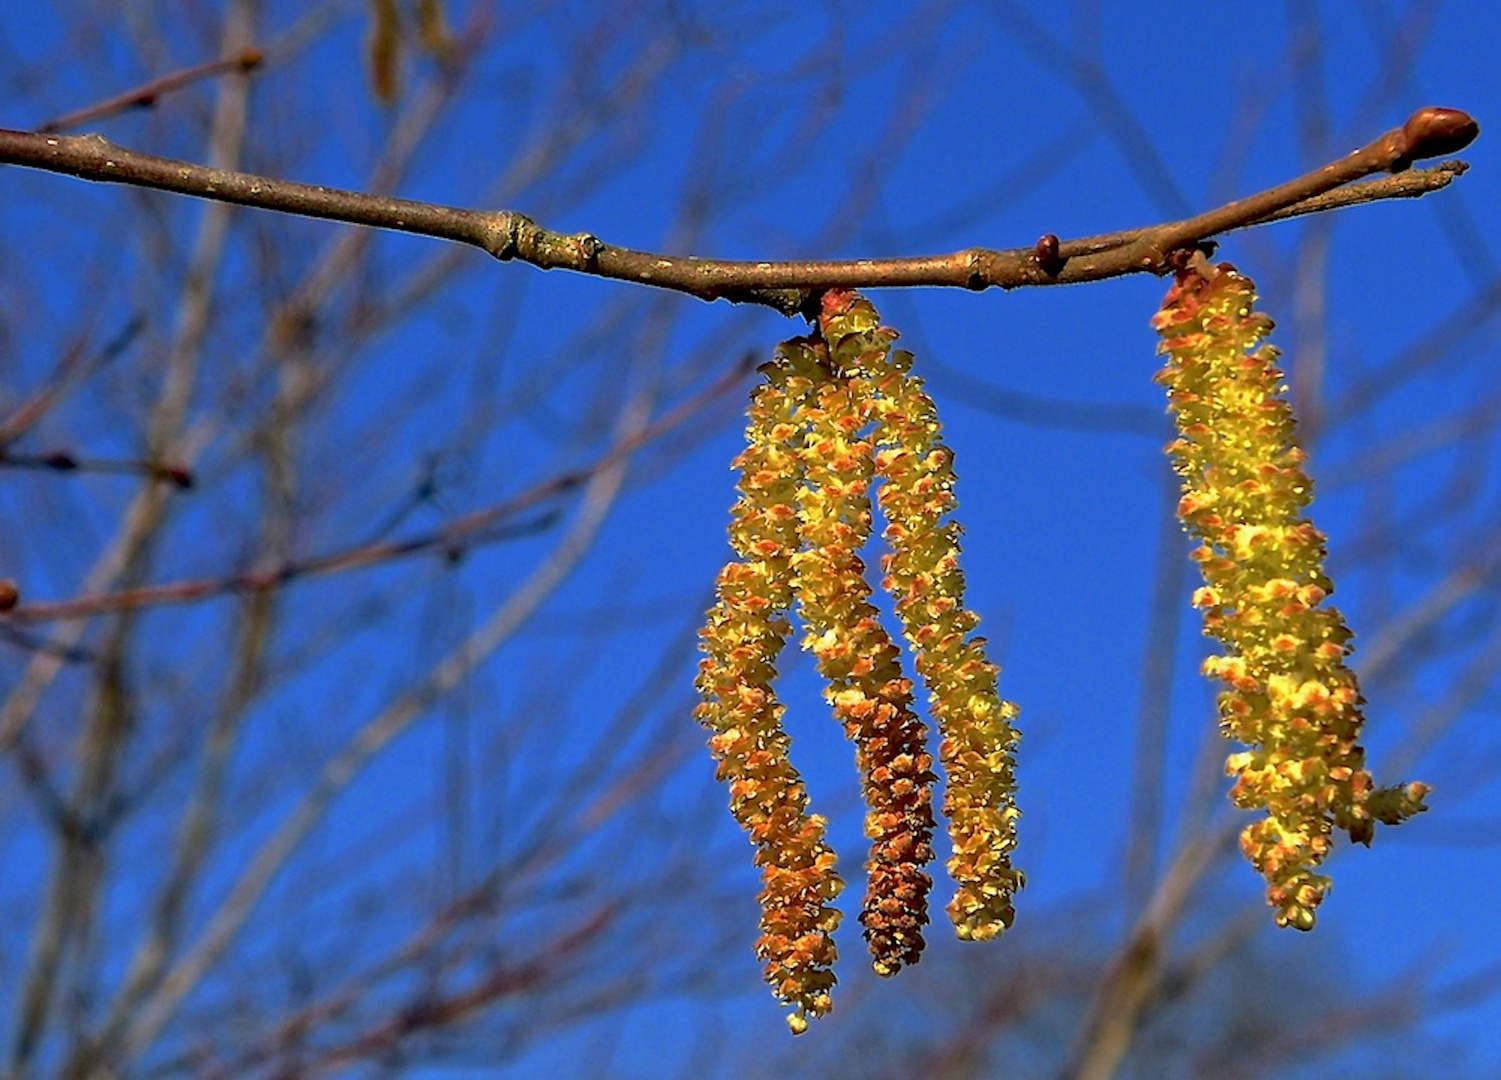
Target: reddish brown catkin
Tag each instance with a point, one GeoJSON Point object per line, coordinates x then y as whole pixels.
{"type": "Point", "coordinates": [746, 630]}
{"type": "Point", "coordinates": [1291, 698]}
{"type": "Point", "coordinates": [922, 572]}
{"type": "Point", "coordinates": [870, 696]}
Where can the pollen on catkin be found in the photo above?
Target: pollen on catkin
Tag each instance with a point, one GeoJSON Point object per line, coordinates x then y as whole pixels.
{"type": "Point", "coordinates": [746, 630]}
{"type": "Point", "coordinates": [870, 696]}
{"type": "Point", "coordinates": [977, 736]}
{"type": "Point", "coordinates": [1290, 696]}
{"type": "Point", "coordinates": [837, 412]}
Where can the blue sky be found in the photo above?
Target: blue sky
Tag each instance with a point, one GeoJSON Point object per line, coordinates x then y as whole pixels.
{"type": "Point", "coordinates": [1061, 524]}
{"type": "Point", "coordinates": [959, 129]}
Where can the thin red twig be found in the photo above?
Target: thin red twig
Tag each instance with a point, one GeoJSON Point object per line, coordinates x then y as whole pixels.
{"type": "Point", "coordinates": [454, 536]}
{"type": "Point", "coordinates": [147, 94]}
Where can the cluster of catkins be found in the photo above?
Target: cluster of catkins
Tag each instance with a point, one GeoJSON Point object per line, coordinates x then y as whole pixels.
{"type": "Point", "coordinates": [1289, 695]}
{"type": "Point", "coordinates": [837, 412]}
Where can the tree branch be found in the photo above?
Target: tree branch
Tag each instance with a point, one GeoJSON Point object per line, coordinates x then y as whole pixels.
{"type": "Point", "coordinates": [786, 286]}
{"type": "Point", "coordinates": [225, 924]}
{"type": "Point", "coordinates": [64, 461]}
{"type": "Point", "coordinates": [147, 95]}
{"type": "Point", "coordinates": [488, 524]}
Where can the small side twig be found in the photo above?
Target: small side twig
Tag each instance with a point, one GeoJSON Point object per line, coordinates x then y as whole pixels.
{"type": "Point", "coordinates": [147, 95]}
{"type": "Point", "coordinates": [785, 286]}
{"type": "Point", "coordinates": [485, 525]}
{"type": "Point", "coordinates": [65, 461]}
{"type": "Point", "coordinates": [70, 371]}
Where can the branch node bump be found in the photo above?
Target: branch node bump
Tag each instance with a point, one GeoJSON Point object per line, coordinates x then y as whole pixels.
{"type": "Point", "coordinates": [977, 279]}
{"type": "Point", "coordinates": [510, 235]}
{"type": "Point", "coordinates": [589, 246]}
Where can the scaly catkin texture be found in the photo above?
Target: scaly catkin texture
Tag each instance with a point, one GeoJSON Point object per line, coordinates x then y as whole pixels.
{"type": "Point", "coordinates": [746, 630]}
{"type": "Point", "coordinates": [1290, 697]}
{"type": "Point", "coordinates": [839, 410]}
{"type": "Point", "coordinates": [870, 696]}
{"type": "Point", "coordinates": [978, 740]}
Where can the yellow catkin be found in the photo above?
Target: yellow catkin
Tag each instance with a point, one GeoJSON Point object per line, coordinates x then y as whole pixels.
{"type": "Point", "coordinates": [1290, 696]}
{"type": "Point", "coordinates": [978, 738]}
{"type": "Point", "coordinates": [870, 696]}
{"type": "Point", "coordinates": [746, 630]}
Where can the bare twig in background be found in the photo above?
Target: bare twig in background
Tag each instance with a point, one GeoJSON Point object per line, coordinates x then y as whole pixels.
{"type": "Point", "coordinates": [65, 462]}
{"type": "Point", "coordinates": [598, 496]}
{"type": "Point", "coordinates": [146, 95]}
{"type": "Point", "coordinates": [72, 369]}
{"type": "Point", "coordinates": [77, 873]}
{"type": "Point", "coordinates": [1111, 1021]}
{"type": "Point", "coordinates": [485, 526]}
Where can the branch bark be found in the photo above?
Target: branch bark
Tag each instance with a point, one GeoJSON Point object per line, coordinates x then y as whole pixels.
{"type": "Point", "coordinates": [787, 286]}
